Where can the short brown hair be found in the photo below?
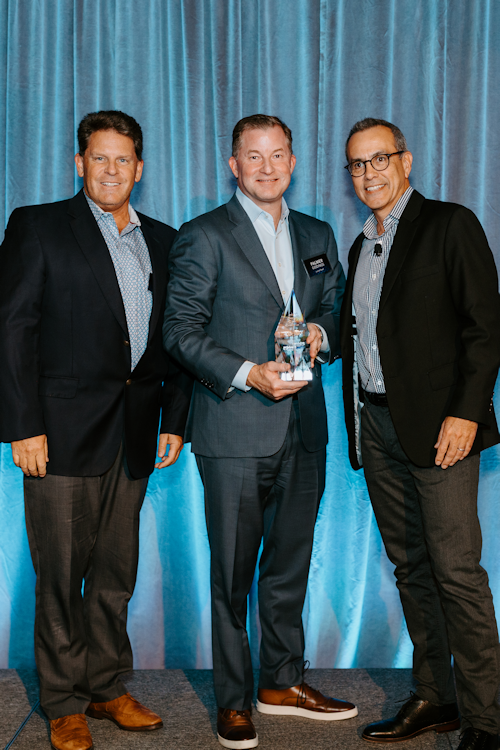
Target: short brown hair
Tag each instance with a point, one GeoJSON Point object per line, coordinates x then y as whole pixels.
{"type": "Point", "coordinates": [255, 122]}
{"type": "Point", "coordinates": [371, 122]}
{"type": "Point", "coordinates": [109, 119]}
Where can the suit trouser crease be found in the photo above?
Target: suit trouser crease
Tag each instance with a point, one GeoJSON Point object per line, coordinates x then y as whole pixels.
{"type": "Point", "coordinates": [274, 499]}
{"type": "Point", "coordinates": [429, 524]}
{"type": "Point", "coordinates": [83, 528]}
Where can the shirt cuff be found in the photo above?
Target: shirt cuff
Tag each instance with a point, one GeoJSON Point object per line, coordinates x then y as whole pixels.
{"type": "Point", "coordinates": [240, 379]}
{"type": "Point", "coordinates": [325, 346]}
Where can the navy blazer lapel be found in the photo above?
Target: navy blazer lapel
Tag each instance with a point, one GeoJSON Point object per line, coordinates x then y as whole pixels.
{"type": "Point", "coordinates": [158, 263]}
{"type": "Point", "coordinates": [248, 240]}
{"type": "Point", "coordinates": [93, 246]}
{"type": "Point", "coordinates": [301, 248]}
{"type": "Point", "coordinates": [402, 240]}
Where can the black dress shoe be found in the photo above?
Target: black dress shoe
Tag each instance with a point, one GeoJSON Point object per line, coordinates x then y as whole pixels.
{"type": "Point", "coordinates": [476, 739]}
{"type": "Point", "coordinates": [414, 717]}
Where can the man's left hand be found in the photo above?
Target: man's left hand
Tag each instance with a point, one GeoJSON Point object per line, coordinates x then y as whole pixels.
{"type": "Point", "coordinates": [315, 339]}
{"type": "Point", "coordinates": [455, 440]}
{"type": "Point", "coordinates": [169, 456]}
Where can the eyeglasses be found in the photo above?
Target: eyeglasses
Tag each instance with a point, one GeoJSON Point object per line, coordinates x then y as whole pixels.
{"type": "Point", "coordinates": [379, 162]}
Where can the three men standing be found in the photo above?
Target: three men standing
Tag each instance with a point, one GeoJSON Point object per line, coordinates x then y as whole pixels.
{"type": "Point", "coordinates": [260, 441]}
{"type": "Point", "coordinates": [82, 379]}
{"type": "Point", "coordinates": [420, 332]}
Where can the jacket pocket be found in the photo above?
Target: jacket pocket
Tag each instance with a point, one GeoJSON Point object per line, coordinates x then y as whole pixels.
{"type": "Point", "coordinates": [443, 376]}
{"type": "Point", "coordinates": [417, 273]}
{"type": "Point", "coordinates": [57, 387]}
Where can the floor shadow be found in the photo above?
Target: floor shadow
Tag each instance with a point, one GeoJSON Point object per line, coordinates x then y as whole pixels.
{"type": "Point", "coordinates": [29, 678]}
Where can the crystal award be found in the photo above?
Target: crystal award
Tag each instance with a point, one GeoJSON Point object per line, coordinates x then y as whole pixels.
{"type": "Point", "coordinates": [290, 342]}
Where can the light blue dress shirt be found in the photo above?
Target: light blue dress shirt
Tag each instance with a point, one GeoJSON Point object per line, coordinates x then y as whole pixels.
{"type": "Point", "coordinates": [130, 256]}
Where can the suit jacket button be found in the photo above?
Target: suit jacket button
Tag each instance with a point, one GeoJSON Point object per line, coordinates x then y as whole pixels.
{"type": "Point", "coordinates": [128, 382]}
{"type": "Point", "coordinates": [127, 343]}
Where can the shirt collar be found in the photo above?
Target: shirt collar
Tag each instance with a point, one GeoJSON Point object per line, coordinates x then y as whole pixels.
{"type": "Point", "coordinates": [255, 212]}
{"type": "Point", "coordinates": [99, 213]}
{"type": "Point", "coordinates": [370, 227]}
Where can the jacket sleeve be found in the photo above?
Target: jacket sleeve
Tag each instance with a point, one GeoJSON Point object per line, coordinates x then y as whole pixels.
{"type": "Point", "coordinates": [176, 398]}
{"type": "Point", "coordinates": [22, 279]}
{"type": "Point", "coordinates": [331, 303]}
{"type": "Point", "coordinates": [474, 287]}
{"type": "Point", "coordinates": [192, 287]}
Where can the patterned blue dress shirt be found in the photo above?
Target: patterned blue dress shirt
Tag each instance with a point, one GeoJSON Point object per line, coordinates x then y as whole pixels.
{"type": "Point", "coordinates": [130, 256]}
{"type": "Point", "coordinates": [367, 289]}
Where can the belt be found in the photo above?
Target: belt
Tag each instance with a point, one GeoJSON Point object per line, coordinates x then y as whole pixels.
{"type": "Point", "coordinates": [377, 399]}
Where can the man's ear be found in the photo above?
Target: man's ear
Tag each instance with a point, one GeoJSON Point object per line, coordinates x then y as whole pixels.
{"type": "Point", "coordinates": [234, 166]}
{"type": "Point", "coordinates": [79, 164]}
{"type": "Point", "coordinates": [407, 159]}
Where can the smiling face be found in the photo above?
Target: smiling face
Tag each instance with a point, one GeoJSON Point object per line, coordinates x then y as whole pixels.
{"type": "Point", "coordinates": [109, 168]}
{"type": "Point", "coordinates": [263, 166]}
{"type": "Point", "coordinates": [380, 191]}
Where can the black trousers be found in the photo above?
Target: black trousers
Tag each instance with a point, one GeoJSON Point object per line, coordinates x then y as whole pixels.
{"type": "Point", "coordinates": [83, 529]}
{"type": "Point", "coordinates": [428, 521]}
{"type": "Point", "coordinates": [275, 498]}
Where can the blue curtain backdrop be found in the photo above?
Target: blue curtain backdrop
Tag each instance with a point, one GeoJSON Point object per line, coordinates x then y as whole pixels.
{"type": "Point", "coordinates": [188, 70]}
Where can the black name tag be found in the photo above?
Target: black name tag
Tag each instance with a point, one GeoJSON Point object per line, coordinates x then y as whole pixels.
{"type": "Point", "coordinates": [318, 264]}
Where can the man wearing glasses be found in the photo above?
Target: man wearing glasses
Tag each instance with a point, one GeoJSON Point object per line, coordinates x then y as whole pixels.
{"type": "Point", "coordinates": [420, 332]}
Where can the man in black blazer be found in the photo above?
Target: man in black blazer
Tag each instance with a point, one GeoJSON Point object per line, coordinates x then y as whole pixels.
{"type": "Point", "coordinates": [83, 377]}
{"type": "Point", "coordinates": [420, 340]}
{"type": "Point", "coordinates": [260, 442]}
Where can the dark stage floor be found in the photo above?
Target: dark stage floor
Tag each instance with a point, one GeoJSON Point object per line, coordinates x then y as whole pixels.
{"type": "Point", "coordinates": [184, 699]}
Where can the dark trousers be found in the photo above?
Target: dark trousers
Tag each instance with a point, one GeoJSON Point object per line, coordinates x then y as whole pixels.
{"type": "Point", "coordinates": [275, 498]}
{"type": "Point", "coordinates": [83, 528]}
{"type": "Point", "coordinates": [428, 521]}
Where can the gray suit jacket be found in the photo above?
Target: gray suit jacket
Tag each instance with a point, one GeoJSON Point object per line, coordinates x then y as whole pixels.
{"type": "Point", "coordinates": [223, 306]}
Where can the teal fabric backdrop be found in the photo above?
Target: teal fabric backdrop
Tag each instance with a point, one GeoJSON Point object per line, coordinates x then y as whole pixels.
{"type": "Point", "coordinates": [188, 70]}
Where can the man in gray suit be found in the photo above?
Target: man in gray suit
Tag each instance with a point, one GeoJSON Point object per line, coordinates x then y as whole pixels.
{"type": "Point", "coordinates": [260, 442]}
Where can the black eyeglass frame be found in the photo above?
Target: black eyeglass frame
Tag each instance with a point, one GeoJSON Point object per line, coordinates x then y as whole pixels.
{"type": "Point", "coordinates": [369, 161]}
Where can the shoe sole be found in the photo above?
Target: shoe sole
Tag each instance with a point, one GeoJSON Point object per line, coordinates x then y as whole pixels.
{"type": "Point", "coordinates": [55, 748]}
{"type": "Point", "coordinates": [450, 726]}
{"type": "Point", "coordinates": [238, 744]}
{"type": "Point", "coordinates": [99, 715]}
{"type": "Point", "coordinates": [268, 708]}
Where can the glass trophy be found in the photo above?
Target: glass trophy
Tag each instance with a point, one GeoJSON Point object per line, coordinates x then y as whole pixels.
{"type": "Point", "coordinates": [290, 342]}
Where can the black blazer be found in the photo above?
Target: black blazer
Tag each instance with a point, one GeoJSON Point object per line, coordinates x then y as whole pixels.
{"type": "Point", "coordinates": [438, 328]}
{"type": "Point", "coordinates": [64, 350]}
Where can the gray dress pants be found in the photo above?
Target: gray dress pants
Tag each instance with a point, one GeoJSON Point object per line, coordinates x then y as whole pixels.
{"type": "Point", "coordinates": [275, 498]}
{"type": "Point", "coordinates": [428, 521]}
{"type": "Point", "coordinates": [83, 529]}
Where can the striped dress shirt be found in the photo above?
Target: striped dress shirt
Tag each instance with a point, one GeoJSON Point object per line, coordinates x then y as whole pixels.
{"type": "Point", "coordinates": [367, 289]}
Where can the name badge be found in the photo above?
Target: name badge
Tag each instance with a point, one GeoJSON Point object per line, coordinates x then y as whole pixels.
{"type": "Point", "coordinates": [318, 264]}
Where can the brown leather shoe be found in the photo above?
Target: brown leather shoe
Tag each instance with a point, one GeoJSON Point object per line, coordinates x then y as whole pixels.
{"type": "Point", "coordinates": [303, 700]}
{"type": "Point", "coordinates": [127, 713]}
{"type": "Point", "coordinates": [70, 733]}
{"type": "Point", "coordinates": [235, 729]}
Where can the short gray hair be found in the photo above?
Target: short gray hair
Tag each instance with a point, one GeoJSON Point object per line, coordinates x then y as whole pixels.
{"type": "Point", "coordinates": [371, 122]}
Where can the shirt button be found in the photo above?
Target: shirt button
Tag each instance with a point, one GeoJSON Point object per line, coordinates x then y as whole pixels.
{"type": "Point", "coordinates": [128, 382]}
{"type": "Point", "coordinates": [279, 264]}
{"type": "Point", "coordinates": [374, 275]}
{"type": "Point", "coordinates": [374, 312]}
{"type": "Point", "coordinates": [374, 347]}
{"type": "Point", "coordinates": [379, 382]}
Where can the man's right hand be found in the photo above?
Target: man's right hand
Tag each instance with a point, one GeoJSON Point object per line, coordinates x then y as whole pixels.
{"type": "Point", "coordinates": [31, 455]}
{"type": "Point", "coordinates": [267, 380]}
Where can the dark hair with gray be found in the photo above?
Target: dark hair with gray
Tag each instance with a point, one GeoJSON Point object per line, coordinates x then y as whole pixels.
{"type": "Point", "coordinates": [255, 122]}
{"type": "Point", "coordinates": [371, 122]}
{"type": "Point", "coordinates": [109, 119]}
